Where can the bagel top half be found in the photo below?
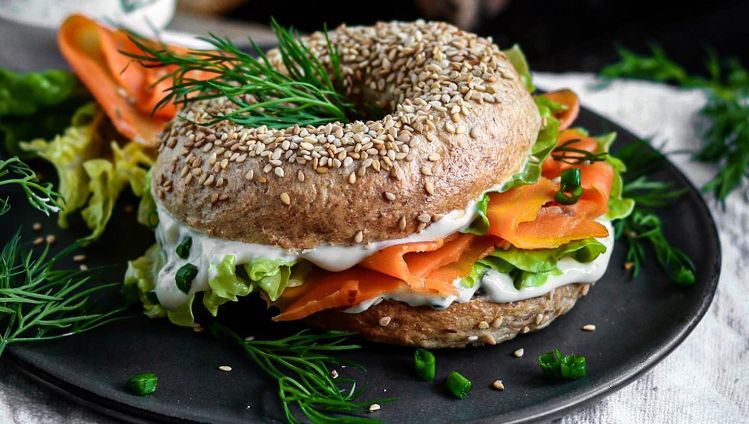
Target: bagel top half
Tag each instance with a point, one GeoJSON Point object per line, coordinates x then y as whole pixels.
{"type": "Point", "coordinates": [458, 121]}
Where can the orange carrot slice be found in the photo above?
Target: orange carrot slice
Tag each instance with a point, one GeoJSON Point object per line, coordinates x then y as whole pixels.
{"type": "Point", "coordinates": [568, 98]}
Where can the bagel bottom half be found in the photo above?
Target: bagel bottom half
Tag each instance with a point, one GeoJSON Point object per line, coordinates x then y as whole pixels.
{"type": "Point", "coordinates": [477, 322]}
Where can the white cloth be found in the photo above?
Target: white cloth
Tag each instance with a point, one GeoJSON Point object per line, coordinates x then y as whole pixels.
{"type": "Point", "coordinates": [706, 380]}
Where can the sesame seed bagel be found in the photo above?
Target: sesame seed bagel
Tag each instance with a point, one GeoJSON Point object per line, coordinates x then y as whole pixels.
{"type": "Point", "coordinates": [477, 322]}
{"type": "Point", "coordinates": [458, 122]}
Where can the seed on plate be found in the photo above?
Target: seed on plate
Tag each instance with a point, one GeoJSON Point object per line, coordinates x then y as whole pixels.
{"type": "Point", "coordinates": [225, 368]}
{"type": "Point", "coordinates": [519, 353]}
{"type": "Point", "coordinates": [285, 199]}
{"type": "Point", "coordinates": [37, 241]}
{"type": "Point", "coordinates": [334, 374]}
{"type": "Point", "coordinates": [79, 258]}
{"type": "Point", "coordinates": [50, 238]}
{"type": "Point", "coordinates": [498, 385]}
{"type": "Point", "coordinates": [589, 327]}
{"type": "Point", "coordinates": [629, 265]}
{"type": "Point", "coordinates": [37, 226]}
{"type": "Point", "coordinates": [197, 328]}
{"type": "Point", "coordinates": [374, 407]}
{"type": "Point", "coordinates": [83, 267]}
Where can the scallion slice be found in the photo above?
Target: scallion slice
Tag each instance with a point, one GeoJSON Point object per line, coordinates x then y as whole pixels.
{"type": "Point", "coordinates": [183, 249]}
{"type": "Point", "coordinates": [556, 365]}
{"type": "Point", "coordinates": [458, 385]}
{"type": "Point", "coordinates": [184, 277]}
{"type": "Point", "coordinates": [142, 384]}
{"type": "Point", "coordinates": [425, 364]}
{"type": "Point", "coordinates": [570, 189]}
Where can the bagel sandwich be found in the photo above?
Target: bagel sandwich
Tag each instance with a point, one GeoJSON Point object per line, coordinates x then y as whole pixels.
{"type": "Point", "coordinates": [470, 211]}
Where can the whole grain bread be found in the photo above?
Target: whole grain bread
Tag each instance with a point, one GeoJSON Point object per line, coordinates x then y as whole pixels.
{"type": "Point", "coordinates": [477, 322]}
{"type": "Point", "coordinates": [458, 121]}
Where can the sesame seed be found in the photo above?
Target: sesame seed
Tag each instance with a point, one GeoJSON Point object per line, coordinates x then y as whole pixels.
{"type": "Point", "coordinates": [352, 177]}
{"type": "Point", "coordinates": [426, 170]}
{"type": "Point", "coordinates": [197, 328]}
{"type": "Point", "coordinates": [585, 289]}
{"type": "Point", "coordinates": [474, 133]}
{"type": "Point", "coordinates": [424, 217]}
{"type": "Point", "coordinates": [37, 226]}
{"type": "Point", "coordinates": [285, 199]}
{"type": "Point", "coordinates": [209, 180]}
{"type": "Point", "coordinates": [525, 329]}
{"type": "Point", "coordinates": [279, 172]}
{"type": "Point", "coordinates": [472, 338]}
{"type": "Point", "coordinates": [519, 353]}
{"type": "Point", "coordinates": [334, 374]}
{"type": "Point", "coordinates": [488, 339]}
{"type": "Point", "coordinates": [224, 368]}
{"type": "Point", "coordinates": [497, 322]}
{"type": "Point", "coordinates": [483, 325]}
{"type": "Point", "coordinates": [629, 265]}
{"type": "Point", "coordinates": [374, 407]}
{"type": "Point", "coordinates": [359, 236]}
{"type": "Point", "coordinates": [83, 267]}
{"type": "Point", "coordinates": [402, 223]}
{"type": "Point", "coordinates": [79, 258]}
{"type": "Point", "coordinates": [589, 327]}
{"type": "Point", "coordinates": [434, 157]}
{"type": "Point", "coordinates": [497, 385]}
{"type": "Point", "coordinates": [389, 196]}
{"type": "Point", "coordinates": [429, 187]}
{"type": "Point", "coordinates": [50, 238]}
{"type": "Point", "coordinates": [384, 321]}
{"type": "Point", "coordinates": [250, 175]}
{"type": "Point", "coordinates": [539, 318]}
{"type": "Point", "coordinates": [37, 241]}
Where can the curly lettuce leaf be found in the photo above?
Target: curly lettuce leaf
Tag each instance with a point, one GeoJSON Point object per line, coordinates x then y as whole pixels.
{"type": "Point", "coordinates": [108, 178]}
{"type": "Point", "coordinates": [530, 268]}
{"type": "Point", "coordinates": [140, 279]}
{"type": "Point", "coordinates": [226, 286]}
{"type": "Point", "coordinates": [517, 59]}
{"type": "Point", "coordinates": [91, 174]}
{"type": "Point", "coordinates": [147, 213]}
{"type": "Point", "coordinates": [67, 152]}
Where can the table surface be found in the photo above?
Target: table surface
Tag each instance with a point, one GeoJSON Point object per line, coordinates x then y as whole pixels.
{"type": "Point", "coordinates": [706, 379]}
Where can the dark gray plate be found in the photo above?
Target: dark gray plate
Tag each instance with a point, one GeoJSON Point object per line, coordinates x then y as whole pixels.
{"type": "Point", "coordinates": [638, 322]}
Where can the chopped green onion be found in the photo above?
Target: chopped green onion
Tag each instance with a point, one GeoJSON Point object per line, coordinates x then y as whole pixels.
{"type": "Point", "coordinates": [569, 189]}
{"type": "Point", "coordinates": [556, 365]}
{"type": "Point", "coordinates": [425, 364]}
{"type": "Point", "coordinates": [142, 384]}
{"type": "Point", "coordinates": [183, 249]}
{"type": "Point", "coordinates": [458, 385]}
{"type": "Point", "coordinates": [184, 277]}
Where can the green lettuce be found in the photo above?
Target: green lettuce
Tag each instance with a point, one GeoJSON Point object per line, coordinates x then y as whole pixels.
{"type": "Point", "coordinates": [619, 207]}
{"type": "Point", "coordinates": [92, 174]}
{"type": "Point", "coordinates": [226, 286]}
{"type": "Point", "coordinates": [140, 280]}
{"type": "Point", "coordinates": [517, 59]}
{"type": "Point", "coordinates": [531, 268]}
{"type": "Point", "coordinates": [147, 213]}
{"type": "Point", "coordinates": [36, 104]}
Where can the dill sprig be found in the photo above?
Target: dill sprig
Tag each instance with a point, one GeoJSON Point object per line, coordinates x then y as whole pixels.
{"type": "Point", "coordinates": [304, 93]}
{"type": "Point", "coordinates": [568, 154]}
{"type": "Point", "coordinates": [39, 301]}
{"type": "Point", "coordinates": [300, 365]}
{"type": "Point", "coordinates": [726, 130]}
{"type": "Point", "coordinates": [640, 227]}
{"type": "Point", "coordinates": [41, 196]}
{"type": "Point", "coordinates": [643, 226]}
